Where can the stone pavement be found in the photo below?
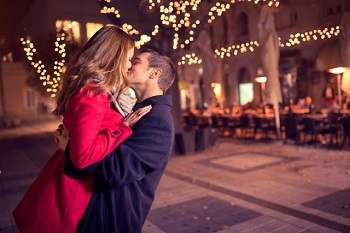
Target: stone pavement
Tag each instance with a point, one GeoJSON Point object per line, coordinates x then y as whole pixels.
{"type": "Point", "coordinates": [235, 186]}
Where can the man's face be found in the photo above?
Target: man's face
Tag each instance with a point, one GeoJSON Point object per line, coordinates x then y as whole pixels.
{"type": "Point", "coordinates": [128, 64]}
{"type": "Point", "coordinates": [139, 71]}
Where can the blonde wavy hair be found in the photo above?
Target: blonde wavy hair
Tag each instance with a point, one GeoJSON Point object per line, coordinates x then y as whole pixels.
{"type": "Point", "coordinates": [101, 60]}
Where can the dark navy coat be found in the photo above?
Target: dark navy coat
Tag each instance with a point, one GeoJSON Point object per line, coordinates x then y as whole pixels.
{"type": "Point", "coordinates": [128, 177]}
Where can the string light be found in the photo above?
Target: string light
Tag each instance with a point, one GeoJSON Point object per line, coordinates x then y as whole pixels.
{"type": "Point", "coordinates": [190, 59]}
{"type": "Point", "coordinates": [143, 38]}
{"type": "Point", "coordinates": [293, 40]}
{"type": "Point", "coordinates": [177, 14]}
{"type": "Point", "coordinates": [218, 9]}
{"type": "Point", "coordinates": [312, 35]}
{"type": "Point", "coordinates": [108, 10]}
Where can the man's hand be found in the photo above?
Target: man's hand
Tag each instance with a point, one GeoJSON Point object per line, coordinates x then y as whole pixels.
{"type": "Point", "coordinates": [61, 137]}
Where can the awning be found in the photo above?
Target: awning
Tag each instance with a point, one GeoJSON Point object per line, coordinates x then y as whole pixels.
{"type": "Point", "coordinates": [329, 56]}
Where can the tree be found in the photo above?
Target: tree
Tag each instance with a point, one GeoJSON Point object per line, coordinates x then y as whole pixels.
{"type": "Point", "coordinates": [48, 58]}
{"type": "Point", "coordinates": [172, 27]}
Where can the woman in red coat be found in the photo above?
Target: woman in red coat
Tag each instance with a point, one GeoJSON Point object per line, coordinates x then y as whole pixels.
{"type": "Point", "coordinates": [95, 78]}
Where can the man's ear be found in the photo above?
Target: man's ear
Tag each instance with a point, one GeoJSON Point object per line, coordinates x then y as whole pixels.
{"type": "Point", "coordinates": [156, 72]}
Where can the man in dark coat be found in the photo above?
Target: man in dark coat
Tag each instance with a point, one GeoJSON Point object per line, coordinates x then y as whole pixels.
{"type": "Point", "coordinates": [126, 179]}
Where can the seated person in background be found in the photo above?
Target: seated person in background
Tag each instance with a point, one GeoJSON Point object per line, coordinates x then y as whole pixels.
{"type": "Point", "coordinates": [248, 108]}
{"type": "Point", "coordinates": [301, 104]}
{"type": "Point", "coordinates": [328, 96]}
{"type": "Point", "coordinates": [291, 104]}
{"type": "Point", "coordinates": [235, 108]}
{"type": "Point", "coordinates": [309, 105]}
{"type": "Point", "coordinates": [268, 109]}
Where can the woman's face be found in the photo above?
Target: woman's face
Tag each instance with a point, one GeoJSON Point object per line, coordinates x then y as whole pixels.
{"type": "Point", "coordinates": [128, 60]}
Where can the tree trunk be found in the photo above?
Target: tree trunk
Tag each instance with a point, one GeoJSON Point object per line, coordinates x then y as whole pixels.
{"type": "Point", "coordinates": [176, 109]}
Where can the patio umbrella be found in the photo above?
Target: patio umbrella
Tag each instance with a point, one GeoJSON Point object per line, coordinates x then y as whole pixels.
{"type": "Point", "coordinates": [345, 51]}
{"type": "Point", "coordinates": [269, 58]}
{"type": "Point", "coordinates": [328, 56]}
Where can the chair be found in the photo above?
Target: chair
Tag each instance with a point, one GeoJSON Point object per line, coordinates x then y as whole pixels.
{"type": "Point", "coordinates": [314, 128]}
{"type": "Point", "coordinates": [331, 127]}
{"type": "Point", "coordinates": [216, 123]}
{"type": "Point", "coordinates": [292, 128]}
{"type": "Point", "coordinates": [309, 128]}
{"type": "Point", "coordinates": [246, 126]}
{"type": "Point", "coordinates": [189, 122]}
{"type": "Point", "coordinates": [230, 124]}
{"type": "Point", "coordinates": [261, 124]}
{"type": "Point", "coordinates": [345, 121]}
{"type": "Point", "coordinates": [186, 122]}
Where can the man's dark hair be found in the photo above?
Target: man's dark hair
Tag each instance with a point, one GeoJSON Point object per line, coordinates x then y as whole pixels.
{"type": "Point", "coordinates": [157, 60]}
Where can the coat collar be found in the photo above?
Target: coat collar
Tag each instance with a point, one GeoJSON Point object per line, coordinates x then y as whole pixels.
{"type": "Point", "coordinates": [154, 100]}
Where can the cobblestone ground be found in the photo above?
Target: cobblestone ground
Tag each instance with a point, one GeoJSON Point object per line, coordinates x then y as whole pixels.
{"type": "Point", "coordinates": [235, 186]}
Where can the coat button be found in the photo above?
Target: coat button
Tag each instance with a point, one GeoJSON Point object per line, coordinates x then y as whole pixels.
{"type": "Point", "coordinates": [115, 132]}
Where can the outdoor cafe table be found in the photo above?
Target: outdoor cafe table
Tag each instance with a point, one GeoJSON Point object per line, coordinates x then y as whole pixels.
{"type": "Point", "coordinates": [267, 116]}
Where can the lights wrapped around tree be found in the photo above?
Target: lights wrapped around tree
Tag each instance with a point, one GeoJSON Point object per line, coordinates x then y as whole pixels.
{"type": "Point", "coordinates": [143, 38]}
{"type": "Point", "coordinates": [190, 59]}
{"type": "Point", "coordinates": [51, 82]}
{"type": "Point", "coordinates": [179, 15]}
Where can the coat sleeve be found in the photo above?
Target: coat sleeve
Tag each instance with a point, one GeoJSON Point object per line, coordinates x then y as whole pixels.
{"type": "Point", "coordinates": [146, 150]}
{"type": "Point", "coordinates": [88, 143]}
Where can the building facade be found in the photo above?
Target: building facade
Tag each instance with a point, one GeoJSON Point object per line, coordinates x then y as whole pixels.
{"type": "Point", "coordinates": [309, 38]}
{"type": "Point", "coordinates": [20, 101]}
{"type": "Point", "coordinates": [228, 47]}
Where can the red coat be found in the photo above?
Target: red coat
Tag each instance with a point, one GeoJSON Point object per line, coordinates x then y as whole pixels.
{"type": "Point", "coordinates": [56, 202]}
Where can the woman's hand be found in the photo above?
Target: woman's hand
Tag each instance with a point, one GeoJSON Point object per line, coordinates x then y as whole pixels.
{"type": "Point", "coordinates": [134, 117]}
{"type": "Point", "coordinates": [61, 137]}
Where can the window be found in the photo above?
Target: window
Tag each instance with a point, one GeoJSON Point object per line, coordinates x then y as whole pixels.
{"type": "Point", "coordinates": [246, 93]}
{"type": "Point", "coordinates": [71, 28]}
{"type": "Point", "coordinates": [92, 28]}
{"type": "Point", "coordinates": [242, 25]}
{"type": "Point", "coordinates": [29, 99]}
{"type": "Point", "coordinates": [332, 7]}
{"type": "Point", "coordinates": [285, 16]}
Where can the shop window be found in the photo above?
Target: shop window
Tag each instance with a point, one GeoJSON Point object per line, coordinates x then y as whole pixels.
{"type": "Point", "coordinates": [71, 28]}
{"type": "Point", "coordinates": [246, 93]}
{"type": "Point", "coordinates": [92, 28]}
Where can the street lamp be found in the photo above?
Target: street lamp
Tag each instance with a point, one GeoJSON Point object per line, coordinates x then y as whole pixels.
{"type": "Point", "coordinates": [262, 81]}
{"type": "Point", "coordinates": [338, 71]}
